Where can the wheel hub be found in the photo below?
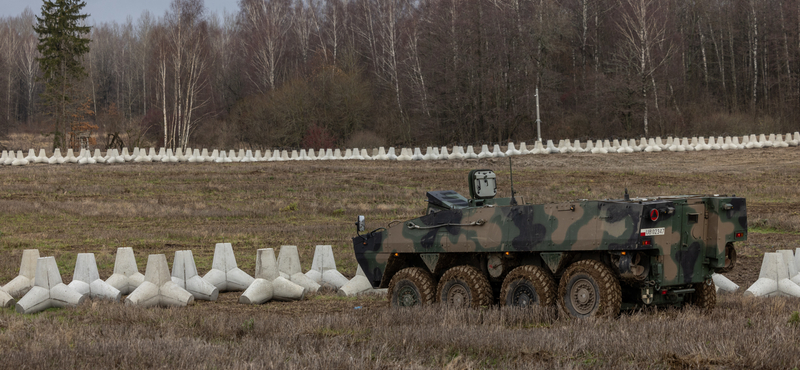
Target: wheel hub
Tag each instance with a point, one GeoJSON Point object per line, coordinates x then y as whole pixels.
{"type": "Point", "coordinates": [582, 297]}
{"type": "Point", "coordinates": [458, 296]}
{"type": "Point", "coordinates": [524, 296]}
{"type": "Point", "coordinates": [407, 297]}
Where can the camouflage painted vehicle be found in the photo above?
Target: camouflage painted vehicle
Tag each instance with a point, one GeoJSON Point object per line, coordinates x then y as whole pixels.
{"type": "Point", "coordinates": [591, 257]}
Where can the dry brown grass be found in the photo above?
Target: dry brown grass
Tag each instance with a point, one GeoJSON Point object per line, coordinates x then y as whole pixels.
{"type": "Point", "coordinates": [741, 334]}
{"type": "Point", "coordinates": [159, 208]}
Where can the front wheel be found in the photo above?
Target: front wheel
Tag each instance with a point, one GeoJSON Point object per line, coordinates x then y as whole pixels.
{"type": "Point", "coordinates": [412, 286]}
{"type": "Point", "coordinates": [588, 288]}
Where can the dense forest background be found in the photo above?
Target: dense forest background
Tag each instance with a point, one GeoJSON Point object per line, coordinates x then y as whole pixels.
{"type": "Point", "coordinates": [323, 73]}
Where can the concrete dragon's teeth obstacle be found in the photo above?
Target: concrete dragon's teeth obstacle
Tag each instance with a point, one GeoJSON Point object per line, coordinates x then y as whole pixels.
{"type": "Point", "coordinates": [48, 290]}
{"type": "Point", "coordinates": [86, 279]}
{"type": "Point", "coordinates": [289, 264]}
{"type": "Point", "coordinates": [724, 284]}
{"type": "Point", "coordinates": [158, 288]}
{"type": "Point", "coordinates": [27, 274]}
{"type": "Point", "coordinates": [357, 285]}
{"type": "Point", "coordinates": [126, 275]}
{"type": "Point", "coordinates": [184, 274]}
{"type": "Point", "coordinates": [323, 268]}
{"type": "Point", "coordinates": [773, 280]}
{"type": "Point", "coordinates": [6, 300]}
{"type": "Point", "coordinates": [269, 284]}
{"type": "Point", "coordinates": [224, 273]}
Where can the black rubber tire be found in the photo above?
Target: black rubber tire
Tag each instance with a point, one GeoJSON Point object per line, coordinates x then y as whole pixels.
{"type": "Point", "coordinates": [528, 285]}
{"type": "Point", "coordinates": [730, 259]}
{"type": "Point", "coordinates": [589, 289]}
{"type": "Point", "coordinates": [464, 286]}
{"type": "Point", "coordinates": [704, 296]}
{"type": "Point", "coordinates": [411, 286]}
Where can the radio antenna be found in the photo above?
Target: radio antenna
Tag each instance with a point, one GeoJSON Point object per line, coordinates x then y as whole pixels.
{"type": "Point", "coordinates": [513, 193]}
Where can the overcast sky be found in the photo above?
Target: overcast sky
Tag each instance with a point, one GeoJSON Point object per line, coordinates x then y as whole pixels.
{"type": "Point", "coordinates": [116, 10]}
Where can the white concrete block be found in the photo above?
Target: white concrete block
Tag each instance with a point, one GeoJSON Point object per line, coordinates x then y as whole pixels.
{"type": "Point", "coordinates": [184, 274]}
{"type": "Point", "coordinates": [314, 275]}
{"type": "Point", "coordinates": [724, 284]}
{"type": "Point", "coordinates": [323, 259]}
{"type": "Point", "coordinates": [42, 158]}
{"type": "Point", "coordinates": [498, 153]}
{"type": "Point", "coordinates": [289, 260]}
{"type": "Point", "coordinates": [429, 156]}
{"type": "Point", "coordinates": [49, 290]}
{"type": "Point", "coordinates": [27, 274]}
{"type": "Point", "coordinates": [6, 300]}
{"type": "Point", "coordinates": [224, 273]}
{"type": "Point", "coordinates": [266, 264]}
{"type": "Point", "coordinates": [442, 153]}
{"type": "Point", "coordinates": [334, 278]}
{"type": "Point", "coordinates": [158, 288]}
{"type": "Point", "coordinates": [485, 153]}
{"type": "Point", "coordinates": [126, 277]}
{"type": "Point", "coordinates": [20, 161]}
{"type": "Point", "coordinates": [126, 156]}
{"type": "Point", "coordinates": [796, 260]}
{"type": "Point", "coordinates": [285, 290]}
{"type": "Point", "coordinates": [773, 279]}
{"type": "Point", "coordinates": [258, 292]}
{"type": "Point", "coordinates": [356, 285]}
{"type": "Point", "coordinates": [788, 260]}
{"type": "Point", "coordinates": [86, 279]}
{"type": "Point", "coordinates": [305, 282]}
{"type": "Point", "coordinates": [470, 154]}
{"type": "Point", "coordinates": [457, 153]}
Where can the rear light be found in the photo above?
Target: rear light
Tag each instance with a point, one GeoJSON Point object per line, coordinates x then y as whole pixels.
{"type": "Point", "coordinates": [654, 215]}
{"type": "Point", "coordinates": [739, 235]}
{"type": "Point", "coordinates": [647, 242]}
{"type": "Point", "coordinates": [663, 292]}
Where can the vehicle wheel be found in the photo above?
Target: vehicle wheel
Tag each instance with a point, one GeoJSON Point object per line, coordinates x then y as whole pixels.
{"type": "Point", "coordinates": [528, 285]}
{"type": "Point", "coordinates": [704, 296]}
{"type": "Point", "coordinates": [730, 259]}
{"type": "Point", "coordinates": [589, 288]}
{"type": "Point", "coordinates": [411, 286]}
{"type": "Point", "coordinates": [464, 286]}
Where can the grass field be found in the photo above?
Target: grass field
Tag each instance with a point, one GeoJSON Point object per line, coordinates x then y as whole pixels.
{"type": "Point", "coordinates": [161, 208]}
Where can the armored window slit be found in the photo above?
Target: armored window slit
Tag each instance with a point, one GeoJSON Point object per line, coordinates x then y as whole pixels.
{"type": "Point", "coordinates": [694, 217]}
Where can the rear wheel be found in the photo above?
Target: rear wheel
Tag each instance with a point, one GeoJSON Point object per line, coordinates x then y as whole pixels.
{"type": "Point", "coordinates": [704, 296]}
{"type": "Point", "coordinates": [412, 286]}
{"type": "Point", "coordinates": [526, 286]}
{"type": "Point", "coordinates": [730, 259]}
{"type": "Point", "coordinates": [464, 286]}
{"type": "Point", "coordinates": [589, 288]}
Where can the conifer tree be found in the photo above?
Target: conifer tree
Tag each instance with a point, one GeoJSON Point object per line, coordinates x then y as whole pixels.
{"type": "Point", "coordinates": [62, 41]}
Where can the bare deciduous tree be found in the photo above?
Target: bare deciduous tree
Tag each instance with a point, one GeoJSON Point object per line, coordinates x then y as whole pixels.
{"type": "Point", "coordinates": [643, 27]}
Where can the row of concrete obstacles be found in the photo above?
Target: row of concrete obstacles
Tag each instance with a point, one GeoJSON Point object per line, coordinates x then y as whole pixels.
{"type": "Point", "coordinates": [406, 154]}
{"type": "Point", "coordinates": [39, 285]}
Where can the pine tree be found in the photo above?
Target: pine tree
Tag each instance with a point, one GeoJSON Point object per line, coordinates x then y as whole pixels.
{"type": "Point", "coordinates": [62, 42]}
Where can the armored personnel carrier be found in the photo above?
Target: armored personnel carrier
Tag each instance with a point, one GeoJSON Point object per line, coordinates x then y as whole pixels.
{"type": "Point", "coordinates": [590, 257]}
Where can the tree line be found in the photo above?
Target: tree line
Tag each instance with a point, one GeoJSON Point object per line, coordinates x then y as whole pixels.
{"type": "Point", "coordinates": [314, 73]}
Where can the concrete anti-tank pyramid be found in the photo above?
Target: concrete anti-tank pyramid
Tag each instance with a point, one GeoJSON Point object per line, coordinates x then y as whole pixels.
{"type": "Point", "coordinates": [158, 288]}
{"type": "Point", "coordinates": [126, 275]}
{"type": "Point", "coordinates": [27, 274]}
{"type": "Point", "coordinates": [86, 279]}
{"type": "Point", "coordinates": [184, 274]}
{"type": "Point", "coordinates": [49, 290]}
{"type": "Point", "coordinates": [224, 273]}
